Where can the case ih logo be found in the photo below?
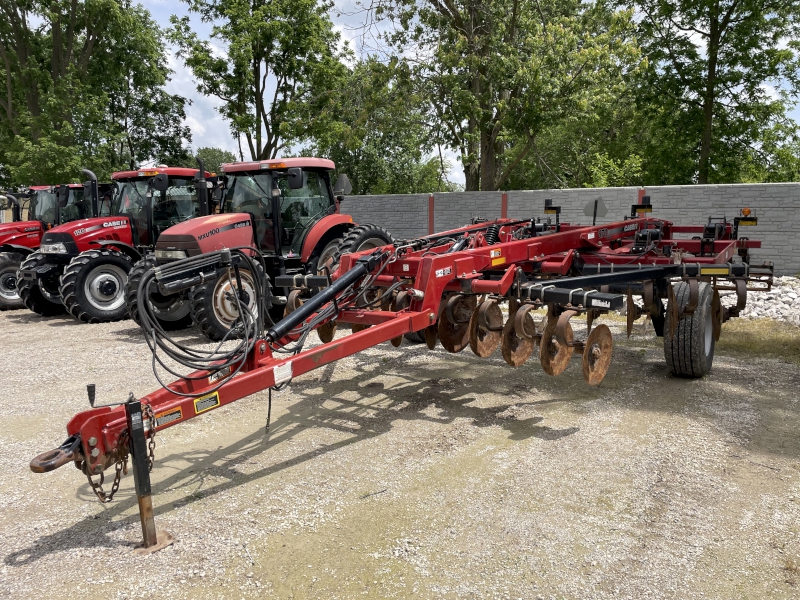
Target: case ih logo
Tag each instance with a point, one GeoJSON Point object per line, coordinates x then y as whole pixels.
{"type": "Point", "coordinates": [113, 223]}
{"type": "Point", "coordinates": [31, 229]}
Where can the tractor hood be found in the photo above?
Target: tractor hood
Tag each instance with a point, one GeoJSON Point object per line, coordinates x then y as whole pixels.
{"type": "Point", "coordinates": [77, 236]}
{"type": "Point", "coordinates": [14, 233]}
{"type": "Point", "coordinates": [205, 234]}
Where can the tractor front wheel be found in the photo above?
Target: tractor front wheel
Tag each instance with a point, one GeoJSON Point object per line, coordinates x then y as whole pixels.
{"type": "Point", "coordinates": [215, 309]}
{"type": "Point", "coordinates": [9, 295]}
{"type": "Point", "coordinates": [31, 293]}
{"type": "Point", "coordinates": [93, 286]}
{"type": "Point", "coordinates": [172, 312]}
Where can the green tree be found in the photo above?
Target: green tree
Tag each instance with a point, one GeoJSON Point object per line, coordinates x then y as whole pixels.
{"type": "Point", "coordinates": [279, 71]}
{"type": "Point", "coordinates": [498, 71]}
{"type": "Point", "coordinates": [83, 87]}
{"type": "Point", "coordinates": [721, 72]}
{"type": "Point", "coordinates": [214, 157]}
{"type": "Point", "coordinates": [378, 134]}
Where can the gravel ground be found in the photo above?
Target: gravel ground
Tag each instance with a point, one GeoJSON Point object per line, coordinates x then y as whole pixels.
{"type": "Point", "coordinates": [407, 473]}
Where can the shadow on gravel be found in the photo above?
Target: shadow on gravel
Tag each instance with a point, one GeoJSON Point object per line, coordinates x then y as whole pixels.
{"type": "Point", "coordinates": [23, 317]}
{"type": "Point", "coordinates": [442, 388]}
{"type": "Point", "coordinates": [360, 419]}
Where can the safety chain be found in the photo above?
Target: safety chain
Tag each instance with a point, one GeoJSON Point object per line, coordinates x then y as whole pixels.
{"type": "Point", "coordinates": [147, 411]}
{"type": "Point", "coordinates": [121, 467]}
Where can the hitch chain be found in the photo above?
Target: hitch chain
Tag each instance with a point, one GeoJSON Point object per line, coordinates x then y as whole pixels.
{"type": "Point", "coordinates": [121, 466]}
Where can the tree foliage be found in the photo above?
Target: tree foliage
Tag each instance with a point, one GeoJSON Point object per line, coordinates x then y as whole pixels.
{"type": "Point", "coordinates": [721, 74]}
{"type": "Point", "coordinates": [378, 134]}
{"type": "Point", "coordinates": [214, 157]}
{"type": "Point", "coordinates": [273, 63]}
{"type": "Point", "coordinates": [497, 72]}
{"type": "Point", "coordinates": [83, 87]}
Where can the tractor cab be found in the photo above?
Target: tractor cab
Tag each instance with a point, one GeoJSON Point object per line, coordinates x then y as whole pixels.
{"type": "Point", "coordinates": [155, 200]}
{"type": "Point", "coordinates": [55, 205]}
{"type": "Point", "coordinates": [299, 196]}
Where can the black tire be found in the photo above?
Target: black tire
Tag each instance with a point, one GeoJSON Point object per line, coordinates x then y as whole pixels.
{"type": "Point", "coordinates": [690, 352]}
{"type": "Point", "coordinates": [322, 255]}
{"type": "Point", "coordinates": [93, 286]}
{"type": "Point", "coordinates": [32, 297]}
{"type": "Point", "coordinates": [172, 312]}
{"type": "Point", "coordinates": [363, 237]}
{"type": "Point", "coordinates": [212, 313]}
{"type": "Point", "coordinates": [9, 295]}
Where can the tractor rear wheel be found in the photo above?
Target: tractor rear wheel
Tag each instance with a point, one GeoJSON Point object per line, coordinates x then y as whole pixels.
{"type": "Point", "coordinates": [690, 352]}
{"type": "Point", "coordinates": [213, 308]}
{"type": "Point", "coordinates": [9, 295]}
{"type": "Point", "coordinates": [172, 312]}
{"type": "Point", "coordinates": [363, 237]}
{"type": "Point", "coordinates": [31, 294]}
{"type": "Point", "coordinates": [93, 286]}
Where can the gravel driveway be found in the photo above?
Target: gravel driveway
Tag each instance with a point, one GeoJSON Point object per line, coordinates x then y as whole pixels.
{"type": "Point", "coordinates": [407, 473]}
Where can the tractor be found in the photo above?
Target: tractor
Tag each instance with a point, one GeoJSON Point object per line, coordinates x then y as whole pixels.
{"type": "Point", "coordinates": [82, 267]}
{"type": "Point", "coordinates": [48, 206]}
{"type": "Point", "coordinates": [283, 210]}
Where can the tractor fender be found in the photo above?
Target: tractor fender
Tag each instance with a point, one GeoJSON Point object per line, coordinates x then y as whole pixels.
{"type": "Point", "coordinates": [319, 229]}
{"type": "Point", "coordinates": [127, 249]}
{"type": "Point", "coordinates": [24, 250]}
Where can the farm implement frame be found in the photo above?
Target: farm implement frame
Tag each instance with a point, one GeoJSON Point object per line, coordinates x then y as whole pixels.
{"type": "Point", "coordinates": [473, 286]}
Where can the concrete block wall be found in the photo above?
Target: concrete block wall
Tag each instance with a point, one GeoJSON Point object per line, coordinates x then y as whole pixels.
{"type": "Point", "coordinates": [404, 215]}
{"type": "Point", "coordinates": [777, 206]}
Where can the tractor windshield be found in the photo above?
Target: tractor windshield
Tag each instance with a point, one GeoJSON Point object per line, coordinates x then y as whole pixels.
{"type": "Point", "coordinates": [78, 206]}
{"type": "Point", "coordinates": [178, 203]}
{"type": "Point", "coordinates": [300, 208]}
{"type": "Point", "coordinates": [42, 206]}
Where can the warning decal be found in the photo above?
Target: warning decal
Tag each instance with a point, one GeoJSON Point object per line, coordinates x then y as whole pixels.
{"type": "Point", "coordinates": [205, 403]}
{"type": "Point", "coordinates": [167, 417]}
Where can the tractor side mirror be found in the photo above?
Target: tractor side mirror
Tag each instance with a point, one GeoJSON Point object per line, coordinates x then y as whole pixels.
{"type": "Point", "coordinates": [342, 186]}
{"type": "Point", "coordinates": [161, 182]}
{"type": "Point", "coordinates": [295, 178]}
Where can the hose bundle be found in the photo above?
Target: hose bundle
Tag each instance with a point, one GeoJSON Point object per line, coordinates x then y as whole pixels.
{"type": "Point", "coordinates": [247, 330]}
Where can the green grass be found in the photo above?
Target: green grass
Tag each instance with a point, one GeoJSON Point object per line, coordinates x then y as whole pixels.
{"type": "Point", "coordinates": [761, 337]}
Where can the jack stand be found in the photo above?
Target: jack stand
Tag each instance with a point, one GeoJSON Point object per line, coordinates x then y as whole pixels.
{"type": "Point", "coordinates": [153, 540]}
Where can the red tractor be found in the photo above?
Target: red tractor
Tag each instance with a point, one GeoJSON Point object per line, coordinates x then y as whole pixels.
{"type": "Point", "coordinates": [82, 267]}
{"type": "Point", "coordinates": [287, 210]}
{"type": "Point", "coordinates": [48, 206]}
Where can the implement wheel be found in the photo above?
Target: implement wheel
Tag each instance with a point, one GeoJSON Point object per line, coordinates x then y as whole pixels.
{"type": "Point", "coordinates": [690, 351]}
{"type": "Point", "coordinates": [215, 312]}
{"type": "Point", "coordinates": [31, 294]}
{"type": "Point", "coordinates": [172, 312]}
{"type": "Point", "coordinates": [9, 295]}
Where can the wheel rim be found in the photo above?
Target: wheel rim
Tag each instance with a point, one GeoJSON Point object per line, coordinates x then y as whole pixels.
{"type": "Point", "coordinates": [8, 286]}
{"type": "Point", "coordinates": [169, 308]}
{"type": "Point", "coordinates": [225, 309]}
{"type": "Point", "coordinates": [709, 332]}
{"type": "Point", "coordinates": [370, 243]}
{"type": "Point", "coordinates": [327, 255]}
{"type": "Point", "coordinates": [49, 295]}
{"type": "Point", "coordinates": [105, 287]}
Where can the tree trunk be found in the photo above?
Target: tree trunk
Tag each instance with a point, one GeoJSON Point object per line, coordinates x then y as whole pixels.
{"type": "Point", "coordinates": [708, 101]}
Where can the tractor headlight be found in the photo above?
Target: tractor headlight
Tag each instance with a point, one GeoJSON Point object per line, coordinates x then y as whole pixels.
{"type": "Point", "coordinates": [170, 254]}
{"type": "Point", "coordinates": [53, 249]}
